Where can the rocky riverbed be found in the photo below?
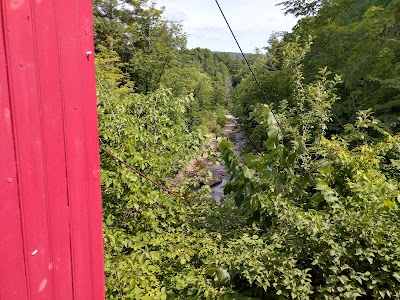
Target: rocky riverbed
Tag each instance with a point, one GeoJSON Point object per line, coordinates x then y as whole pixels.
{"type": "Point", "coordinates": [201, 167]}
{"type": "Point", "coordinates": [232, 133]}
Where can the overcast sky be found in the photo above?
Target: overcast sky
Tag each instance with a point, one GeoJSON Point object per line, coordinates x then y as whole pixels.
{"type": "Point", "coordinates": [253, 21]}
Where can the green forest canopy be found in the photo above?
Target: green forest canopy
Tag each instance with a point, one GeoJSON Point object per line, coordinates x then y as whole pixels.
{"type": "Point", "coordinates": [311, 213]}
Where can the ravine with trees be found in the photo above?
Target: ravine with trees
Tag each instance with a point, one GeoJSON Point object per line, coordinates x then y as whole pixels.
{"type": "Point", "coordinates": [311, 210]}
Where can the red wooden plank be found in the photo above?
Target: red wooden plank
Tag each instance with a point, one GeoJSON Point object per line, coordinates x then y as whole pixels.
{"type": "Point", "coordinates": [89, 94]}
{"type": "Point", "coordinates": [50, 225]}
{"type": "Point", "coordinates": [20, 43]}
{"type": "Point", "coordinates": [79, 165]}
{"type": "Point", "coordinates": [48, 65]}
{"type": "Point", "coordinates": [13, 283]}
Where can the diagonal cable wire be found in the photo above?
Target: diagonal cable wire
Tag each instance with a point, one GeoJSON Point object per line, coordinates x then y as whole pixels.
{"type": "Point", "coordinates": [248, 65]}
{"type": "Point", "coordinates": [160, 186]}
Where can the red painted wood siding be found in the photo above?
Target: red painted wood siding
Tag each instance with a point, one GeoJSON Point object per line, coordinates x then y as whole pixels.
{"type": "Point", "coordinates": [51, 244]}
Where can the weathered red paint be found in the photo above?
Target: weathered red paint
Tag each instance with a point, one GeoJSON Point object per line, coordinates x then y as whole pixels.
{"type": "Point", "coordinates": [50, 206]}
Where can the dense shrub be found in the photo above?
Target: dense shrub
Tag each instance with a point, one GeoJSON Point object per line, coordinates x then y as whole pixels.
{"type": "Point", "coordinates": [327, 210]}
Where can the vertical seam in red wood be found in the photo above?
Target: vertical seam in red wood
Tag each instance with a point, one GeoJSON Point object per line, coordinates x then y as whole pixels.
{"type": "Point", "coordinates": [65, 129]}
{"type": "Point", "coordinates": [44, 160]}
{"type": "Point", "coordinates": [78, 16]}
{"type": "Point", "coordinates": [15, 138]}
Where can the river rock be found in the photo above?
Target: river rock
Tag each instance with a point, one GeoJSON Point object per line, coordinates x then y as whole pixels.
{"type": "Point", "coordinates": [217, 177]}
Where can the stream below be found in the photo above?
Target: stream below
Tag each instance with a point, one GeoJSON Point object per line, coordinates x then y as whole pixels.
{"type": "Point", "coordinates": [234, 135]}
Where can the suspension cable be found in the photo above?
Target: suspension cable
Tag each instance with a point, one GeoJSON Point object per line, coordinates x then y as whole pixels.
{"type": "Point", "coordinates": [248, 65]}
{"type": "Point", "coordinates": [160, 186]}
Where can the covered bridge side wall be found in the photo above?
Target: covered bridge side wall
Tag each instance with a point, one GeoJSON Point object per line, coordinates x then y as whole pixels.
{"type": "Point", "coordinates": [50, 206]}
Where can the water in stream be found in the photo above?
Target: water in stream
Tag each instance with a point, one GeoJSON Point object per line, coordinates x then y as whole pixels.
{"type": "Point", "coordinates": [233, 133]}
